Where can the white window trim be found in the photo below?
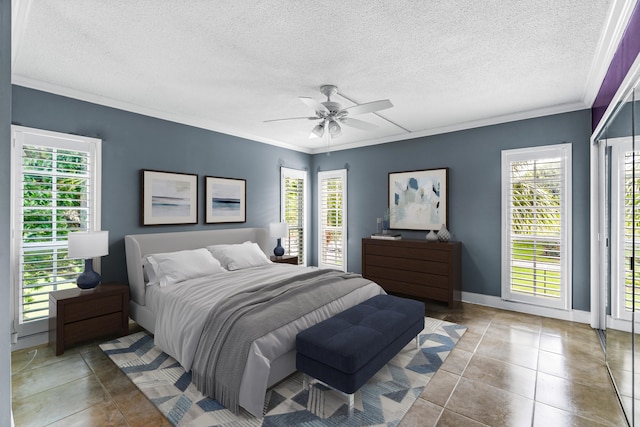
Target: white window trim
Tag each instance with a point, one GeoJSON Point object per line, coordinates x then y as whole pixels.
{"type": "Point", "coordinates": [43, 137]}
{"type": "Point", "coordinates": [522, 154]}
{"type": "Point", "coordinates": [618, 147]}
{"type": "Point", "coordinates": [342, 174]}
{"type": "Point", "coordinates": [297, 174]}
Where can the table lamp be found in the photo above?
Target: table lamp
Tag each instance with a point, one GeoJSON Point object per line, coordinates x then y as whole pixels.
{"type": "Point", "coordinates": [88, 245]}
{"type": "Point", "coordinates": [279, 230]}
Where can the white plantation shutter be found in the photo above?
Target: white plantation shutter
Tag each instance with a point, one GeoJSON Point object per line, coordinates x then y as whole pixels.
{"type": "Point", "coordinates": [293, 198]}
{"type": "Point", "coordinates": [630, 263]}
{"type": "Point", "coordinates": [536, 218]}
{"type": "Point", "coordinates": [332, 223]}
{"type": "Point", "coordinates": [55, 188]}
{"type": "Point", "coordinates": [624, 259]}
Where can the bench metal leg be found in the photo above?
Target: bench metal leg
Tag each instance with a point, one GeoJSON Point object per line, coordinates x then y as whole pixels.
{"type": "Point", "coordinates": [306, 381]}
{"type": "Point", "coordinates": [418, 342]}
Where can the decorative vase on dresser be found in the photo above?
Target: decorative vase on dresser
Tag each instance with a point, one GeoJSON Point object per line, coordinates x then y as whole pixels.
{"type": "Point", "coordinates": [443, 234]}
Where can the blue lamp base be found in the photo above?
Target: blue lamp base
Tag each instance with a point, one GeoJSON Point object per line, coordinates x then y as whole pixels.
{"type": "Point", "coordinates": [88, 279]}
{"type": "Point", "coordinates": [279, 250]}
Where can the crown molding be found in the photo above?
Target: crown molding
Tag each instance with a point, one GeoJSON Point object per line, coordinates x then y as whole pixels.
{"type": "Point", "coordinates": [525, 115]}
{"type": "Point", "coordinates": [151, 112]}
{"type": "Point", "coordinates": [218, 127]}
{"type": "Point", "coordinates": [615, 25]}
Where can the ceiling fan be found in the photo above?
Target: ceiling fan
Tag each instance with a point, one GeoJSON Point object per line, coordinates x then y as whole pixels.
{"type": "Point", "coordinates": [331, 114]}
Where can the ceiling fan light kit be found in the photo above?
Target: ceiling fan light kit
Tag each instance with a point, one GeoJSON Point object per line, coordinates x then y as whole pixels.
{"type": "Point", "coordinates": [332, 115]}
{"type": "Point", "coordinates": [334, 129]}
{"type": "Point", "coordinates": [318, 130]}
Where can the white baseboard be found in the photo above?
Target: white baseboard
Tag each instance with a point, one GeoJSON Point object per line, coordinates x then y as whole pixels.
{"type": "Point", "coordinates": [470, 297]}
{"type": "Point", "coordinates": [31, 341]}
{"type": "Point", "coordinates": [619, 324]}
{"type": "Point", "coordinates": [497, 302]}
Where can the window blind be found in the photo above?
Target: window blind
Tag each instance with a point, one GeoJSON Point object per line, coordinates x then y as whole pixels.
{"type": "Point", "coordinates": [293, 196]}
{"type": "Point", "coordinates": [332, 225]}
{"type": "Point", "coordinates": [631, 215]}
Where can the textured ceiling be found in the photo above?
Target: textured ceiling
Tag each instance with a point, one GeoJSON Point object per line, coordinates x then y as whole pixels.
{"type": "Point", "coordinates": [230, 65]}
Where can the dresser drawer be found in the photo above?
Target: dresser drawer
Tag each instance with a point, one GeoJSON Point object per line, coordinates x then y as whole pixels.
{"type": "Point", "coordinates": [394, 250]}
{"type": "Point", "coordinates": [405, 264]}
{"type": "Point", "coordinates": [82, 310]}
{"type": "Point", "coordinates": [419, 279]}
{"type": "Point", "coordinates": [91, 328]}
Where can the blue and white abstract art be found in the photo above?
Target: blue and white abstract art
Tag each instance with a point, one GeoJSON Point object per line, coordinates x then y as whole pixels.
{"type": "Point", "coordinates": [418, 199]}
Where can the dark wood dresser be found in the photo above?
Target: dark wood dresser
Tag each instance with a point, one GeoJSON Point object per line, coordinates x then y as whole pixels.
{"type": "Point", "coordinates": [412, 267]}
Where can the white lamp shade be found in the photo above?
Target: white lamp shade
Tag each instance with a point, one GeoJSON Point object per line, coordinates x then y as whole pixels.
{"type": "Point", "coordinates": [90, 244]}
{"type": "Point", "coordinates": [278, 229]}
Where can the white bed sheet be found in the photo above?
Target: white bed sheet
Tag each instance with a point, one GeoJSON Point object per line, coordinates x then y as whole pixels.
{"type": "Point", "coordinates": [182, 309]}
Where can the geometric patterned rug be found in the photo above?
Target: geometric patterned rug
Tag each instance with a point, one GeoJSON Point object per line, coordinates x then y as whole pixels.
{"type": "Point", "coordinates": [383, 400]}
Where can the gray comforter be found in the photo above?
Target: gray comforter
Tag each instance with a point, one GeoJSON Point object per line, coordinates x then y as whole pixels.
{"type": "Point", "coordinates": [233, 324]}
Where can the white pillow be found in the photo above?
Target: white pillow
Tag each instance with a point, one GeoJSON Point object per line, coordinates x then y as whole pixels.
{"type": "Point", "coordinates": [148, 272]}
{"type": "Point", "coordinates": [174, 267]}
{"type": "Point", "coordinates": [239, 256]}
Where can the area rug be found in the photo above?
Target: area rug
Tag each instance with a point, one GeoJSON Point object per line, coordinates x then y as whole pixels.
{"type": "Point", "coordinates": [384, 400]}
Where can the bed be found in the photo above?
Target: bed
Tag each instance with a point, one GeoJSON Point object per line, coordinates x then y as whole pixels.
{"type": "Point", "coordinates": [177, 315]}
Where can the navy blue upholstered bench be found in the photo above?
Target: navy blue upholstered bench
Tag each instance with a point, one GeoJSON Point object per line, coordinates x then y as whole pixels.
{"type": "Point", "coordinates": [346, 350]}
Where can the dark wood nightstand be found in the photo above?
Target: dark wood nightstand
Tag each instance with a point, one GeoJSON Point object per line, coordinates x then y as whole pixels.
{"type": "Point", "coordinates": [285, 259]}
{"type": "Point", "coordinates": [77, 315]}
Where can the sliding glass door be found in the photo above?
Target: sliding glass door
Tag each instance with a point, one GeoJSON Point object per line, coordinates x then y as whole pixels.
{"type": "Point", "coordinates": [619, 149]}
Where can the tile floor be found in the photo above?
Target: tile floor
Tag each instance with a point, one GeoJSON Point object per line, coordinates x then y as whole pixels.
{"type": "Point", "coordinates": [509, 369]}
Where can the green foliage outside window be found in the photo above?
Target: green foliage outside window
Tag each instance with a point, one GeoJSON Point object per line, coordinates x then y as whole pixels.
{"type": "Point", "coordinates": [54, 193]}
{"type": "Point", "coordinates": [535, 228]}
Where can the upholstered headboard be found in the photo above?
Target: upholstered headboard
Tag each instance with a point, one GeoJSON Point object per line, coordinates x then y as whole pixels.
{"type": "Point", "coordinates": [139, 245]}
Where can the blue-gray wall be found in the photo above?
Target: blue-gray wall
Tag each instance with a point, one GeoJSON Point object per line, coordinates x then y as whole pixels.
{"type": "Point", "coordinates": [474, 161]}
{"type": "Point", "coordinates": [131, 142]}
{"type": "Point", "coordinates": [5, 176]}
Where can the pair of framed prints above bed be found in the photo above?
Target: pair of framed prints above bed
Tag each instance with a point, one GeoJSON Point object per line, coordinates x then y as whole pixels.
{"type": "Point", "coordinates": [172, 198]}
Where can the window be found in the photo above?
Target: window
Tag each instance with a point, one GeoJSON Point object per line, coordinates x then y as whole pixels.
{"type": "Point", "coordinates": [293, 199]}
{"type": "Point", "coordinates": [332, 219]}
{"type": "Point", "coordinates": [55, 190]}
{"type": "Point", "coordinates": [536, 224]}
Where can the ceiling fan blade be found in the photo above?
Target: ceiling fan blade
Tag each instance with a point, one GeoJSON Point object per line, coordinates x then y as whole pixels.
{"type": "Point", "coordinates": [291, 118]}
{"type": "Point", "coordinates": [313, 104]}
{"type": "Point", "coordinates": [369, 107]}
{"type": "Point", "coordinates": [358, 124]}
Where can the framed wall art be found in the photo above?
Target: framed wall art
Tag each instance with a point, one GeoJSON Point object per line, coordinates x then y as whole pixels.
{"type": "Point", "coordinates": [418, 199]}
{"type": "Point", "coordinates": [225, 200]}
{"type": "Point", "coordinates": [169, 198]}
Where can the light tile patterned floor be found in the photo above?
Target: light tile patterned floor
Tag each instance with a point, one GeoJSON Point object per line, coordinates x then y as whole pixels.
{"type": "Point", "coordinates": [509, 369]}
